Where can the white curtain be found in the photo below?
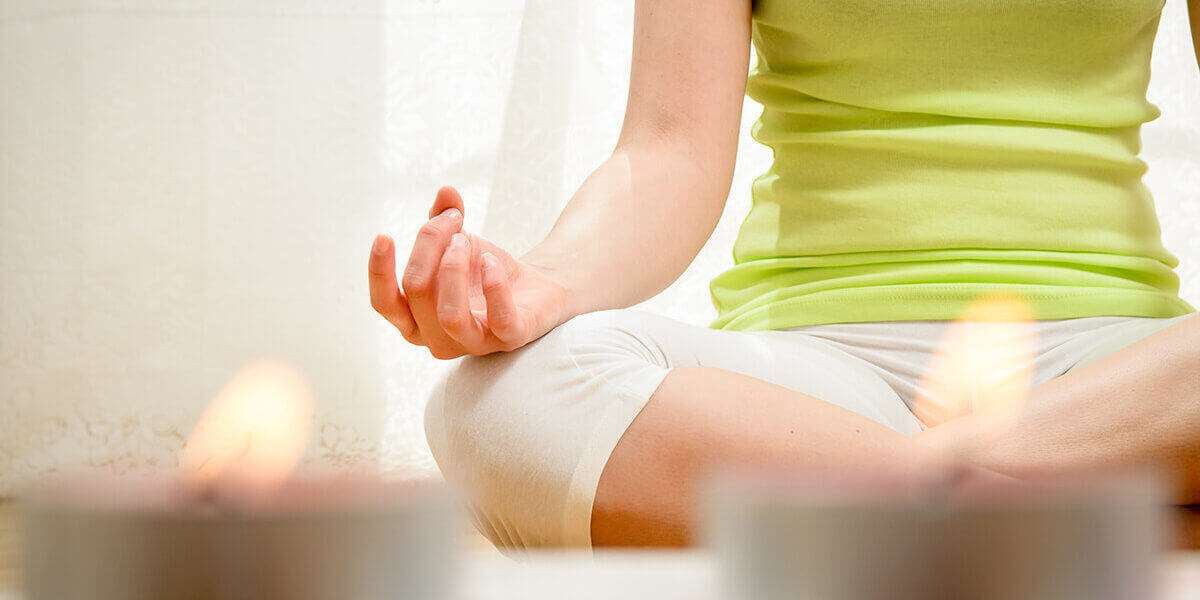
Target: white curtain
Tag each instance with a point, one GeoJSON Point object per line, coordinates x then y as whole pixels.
{"type": "Point", "coordinates": [187, 186]}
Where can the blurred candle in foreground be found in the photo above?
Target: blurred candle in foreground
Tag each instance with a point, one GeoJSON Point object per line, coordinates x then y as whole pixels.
{"type": "Point", "coordinates": [237, 522]}
{"type": "Point", "coordinates": [852, 537]}
{"type": "Point", "coordinates": [920, 533]}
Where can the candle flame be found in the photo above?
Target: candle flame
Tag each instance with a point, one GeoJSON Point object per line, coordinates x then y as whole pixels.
{"type": "Point", "coordinates": [254, 431]}
{"type": "Point", "coordinates": [984, 364]}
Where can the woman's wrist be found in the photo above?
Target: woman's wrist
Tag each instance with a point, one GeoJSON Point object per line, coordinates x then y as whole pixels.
{"type": "Point", "coordinates": [557, 268]}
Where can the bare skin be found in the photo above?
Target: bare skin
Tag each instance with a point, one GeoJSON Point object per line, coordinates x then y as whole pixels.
{"type": "Point", "coordinates": [635, 225]}
{"type": "Point", "coordinates": [647, 491]}
{"type": "Point", "coordinates": [1140, 405]}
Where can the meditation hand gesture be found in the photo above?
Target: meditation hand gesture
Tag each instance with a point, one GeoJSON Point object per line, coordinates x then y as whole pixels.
{"type": "Point", "coordinates": [461, 293]}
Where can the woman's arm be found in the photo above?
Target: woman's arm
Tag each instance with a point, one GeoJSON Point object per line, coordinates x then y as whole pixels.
{"type": "Point", "coordinates": [631, 229]}
{"type": "Point", "coordinates": [641, 217]}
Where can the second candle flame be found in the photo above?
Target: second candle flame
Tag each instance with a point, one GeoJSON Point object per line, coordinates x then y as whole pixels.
{"type": "Point", "coordinates": [984, 363]}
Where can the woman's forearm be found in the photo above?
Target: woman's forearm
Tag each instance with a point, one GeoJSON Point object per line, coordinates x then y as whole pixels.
{"type": "Point", "coordinates": [641, 217]}
{"type": "Point", "coordinates": [633, 227]}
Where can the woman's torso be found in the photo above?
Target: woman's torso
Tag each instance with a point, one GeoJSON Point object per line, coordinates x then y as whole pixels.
{"type": "Point", "coordinates": [929, 152]}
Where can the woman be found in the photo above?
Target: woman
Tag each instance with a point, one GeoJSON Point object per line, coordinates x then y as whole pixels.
{"type": "Point", "coordinates": [927, 154]}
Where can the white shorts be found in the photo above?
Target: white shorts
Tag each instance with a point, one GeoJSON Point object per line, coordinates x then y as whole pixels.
{"type": "Point", "coordinates": [525, 435]}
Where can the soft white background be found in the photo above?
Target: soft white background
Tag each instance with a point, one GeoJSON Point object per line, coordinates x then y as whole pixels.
{"type": "Point", "coordinates": [189, 185]}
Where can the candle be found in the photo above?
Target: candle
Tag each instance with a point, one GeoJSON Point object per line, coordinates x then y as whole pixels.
{"type": "Point", "coordinates": [236, 522]}
{"type": "Point", "coordinates": [904, 536]}
{"type": "Point", "coordinates": [782, 535]}
{"type": "Point", "coordinates": [313, 536]}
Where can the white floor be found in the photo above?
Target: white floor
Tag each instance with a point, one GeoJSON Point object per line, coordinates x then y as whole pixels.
{"type": "Point", "coordinates": [670, 576]}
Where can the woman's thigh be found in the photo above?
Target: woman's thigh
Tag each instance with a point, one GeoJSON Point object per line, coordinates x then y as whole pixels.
{"type": "Point", "coordinates": [1091, 346]}
{"type": "Point", "coordinates": [526, 434]}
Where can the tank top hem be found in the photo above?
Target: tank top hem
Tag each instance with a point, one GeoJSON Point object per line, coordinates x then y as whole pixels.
{"type": "Point", "coordinates": [918, 302]}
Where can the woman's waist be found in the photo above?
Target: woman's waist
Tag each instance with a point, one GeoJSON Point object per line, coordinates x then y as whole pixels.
{"type": "Point", "coordinates": [818, 222]}
{"type": "Point", "coordinates": [750, 298]}
{"type": "Point", "coordinates": [952, 266]}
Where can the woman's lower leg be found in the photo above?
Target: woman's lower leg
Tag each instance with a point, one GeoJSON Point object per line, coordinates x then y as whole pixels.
{"type": "Point", "coordinates": [702, 418]}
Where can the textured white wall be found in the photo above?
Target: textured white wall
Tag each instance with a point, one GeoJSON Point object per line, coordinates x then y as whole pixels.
{"type": "Point", "coordinates": [185, 188]}
{"type": "Point", "coordinates": [188, 185]}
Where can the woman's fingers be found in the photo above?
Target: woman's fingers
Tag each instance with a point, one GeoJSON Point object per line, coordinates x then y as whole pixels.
{"type": "Point", "coordinates": [420, 280]}
{"type": "Point", "coordinates": [454, 305]}
{"type": "Point", "coordinates": [502, 317]}
{"type": "Point", "coordinates": [447, 198]}
{"type": "Point", "coordinates": [386, 298]}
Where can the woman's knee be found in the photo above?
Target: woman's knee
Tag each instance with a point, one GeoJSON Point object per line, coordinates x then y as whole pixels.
{"type": "Point", "coordinates": [468, 403]}
{"type": "Point", "coordinates": [480, 393]}
{"type": "Point", "coordinates": [495, 423]}
{"type": "Point", "coordinates": [470, 425]}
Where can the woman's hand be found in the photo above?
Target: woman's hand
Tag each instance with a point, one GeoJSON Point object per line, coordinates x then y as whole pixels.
{"type": "Point", "coordinates": [461, 294]}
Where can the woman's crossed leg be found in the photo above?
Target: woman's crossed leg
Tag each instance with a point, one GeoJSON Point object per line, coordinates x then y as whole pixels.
{"type": "Point", "coordinates": [602, 431]}
{"type": "Point", "coordinates": [527, 434]}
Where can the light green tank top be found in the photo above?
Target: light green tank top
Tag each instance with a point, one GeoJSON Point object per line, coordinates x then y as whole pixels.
{"type": "Point", "coordinates": [930, 152]}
